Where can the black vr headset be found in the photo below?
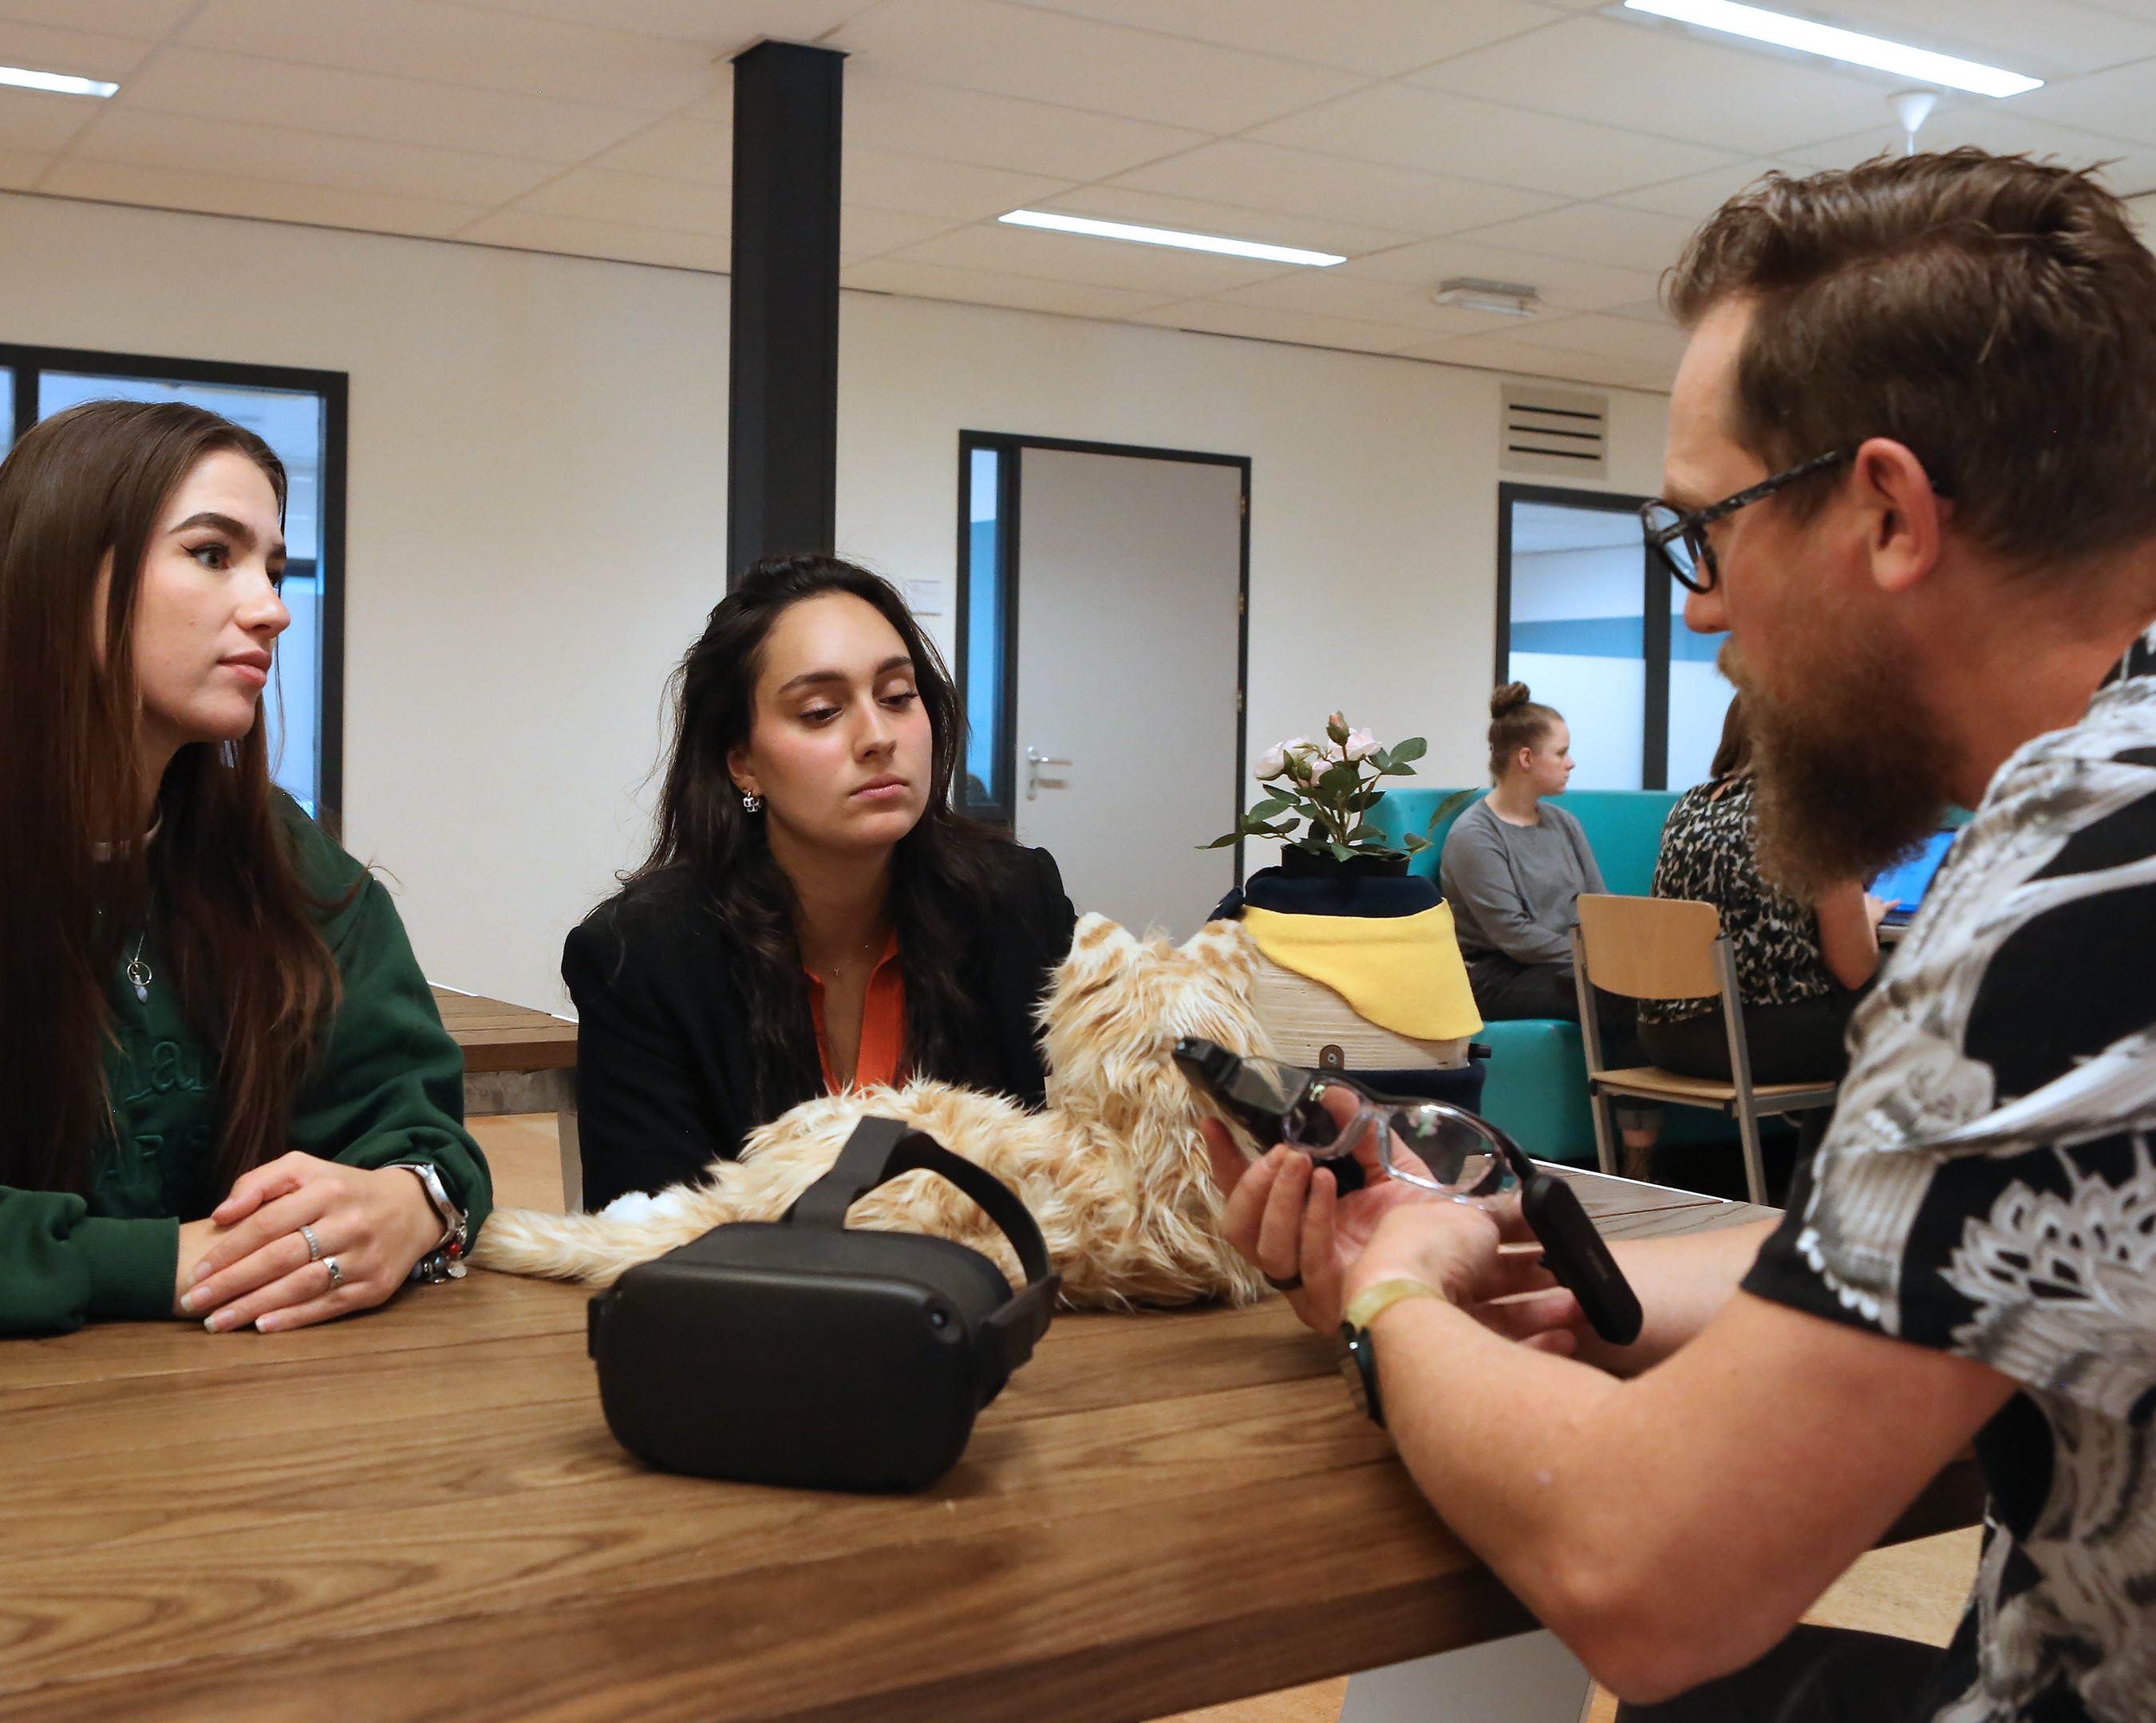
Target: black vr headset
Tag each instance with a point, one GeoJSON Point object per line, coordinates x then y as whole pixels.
{"type": "Point", "coordinates": [799, 1352]}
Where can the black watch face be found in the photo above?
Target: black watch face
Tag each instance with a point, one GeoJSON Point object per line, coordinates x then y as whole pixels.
{"type": "Point", "coordinates": [1360, 1367]}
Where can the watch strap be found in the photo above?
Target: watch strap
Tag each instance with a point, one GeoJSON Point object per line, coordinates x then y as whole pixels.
{"type": "Point", "coordinates": [1373, 1301]}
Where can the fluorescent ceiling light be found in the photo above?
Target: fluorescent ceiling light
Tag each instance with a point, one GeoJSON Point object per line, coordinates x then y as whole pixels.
{"type": "Point", "coordinates": [24, 79]}
{"type": "Point", "coordinates": [1786, 32]}
{"type": "Point", "coordinates": [1471, 293]}
{"type": "Point", "coordinates": [1167, 236]}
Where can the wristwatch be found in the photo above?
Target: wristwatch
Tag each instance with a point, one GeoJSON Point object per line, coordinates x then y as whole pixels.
{"type": "Point", "coordinates": [445, 1261]}
{"type": "Point", "coordinates": [1360, 1366]}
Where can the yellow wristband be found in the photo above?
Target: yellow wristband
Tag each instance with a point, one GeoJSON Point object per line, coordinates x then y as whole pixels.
{"type": "Point", "coordinates": [1373, 1301]}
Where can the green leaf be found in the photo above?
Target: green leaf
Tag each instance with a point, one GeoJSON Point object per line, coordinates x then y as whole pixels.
{"type": "Point", "coordinates": [1221, 843]}
{"type": "Point", "coordinates": [1413, 748]}
{"type": "Point", "coordinates": [1451, 805]}
{"type": "Point", "coordinates": [1415, 842]}
{"type": "Point", "coordinates": [1341, 780]}
{"type": "Point", "coordinates": [1270, 806]}
{"type": "Point", "coordinates": [1343, 852]}
{"type": "Point", "coordinates": [1382, 759]}
{"type": "Point", "coordinates": [1367, 834]}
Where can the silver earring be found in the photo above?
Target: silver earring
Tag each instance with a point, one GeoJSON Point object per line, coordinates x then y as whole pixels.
{"type": "Point", "coordinates": [752, 804]}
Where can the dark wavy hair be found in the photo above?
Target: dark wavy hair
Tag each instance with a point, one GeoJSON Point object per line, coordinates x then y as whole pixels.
{"type": "Point", "coordinates": [252, 973]}
{"type": "Point", "coordinates": [943, 872]}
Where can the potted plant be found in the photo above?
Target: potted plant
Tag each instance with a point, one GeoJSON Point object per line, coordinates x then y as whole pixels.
{"type": "Point", "coordinates": [1329, 787]}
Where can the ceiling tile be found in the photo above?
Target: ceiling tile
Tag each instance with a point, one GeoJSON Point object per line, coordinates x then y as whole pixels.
{"type": "Point", "coordinates": [1698, 196]}
{"type": "Point", "coordinates": [885, 180]}
{"type": "Point", "coordinates": [1564, 283]}
{"type": "Point", "coordinates": [1259, 175]}
{"type": "Point", "coordinates": [528, 230]}
{"type": "Point", "coordinates": [1107, 262]}
{"type": "Point", "coordinates": [1441, 133]}
{"type": "Point", "coordinates": [1490, 353]}
{"type": "Point", "coordinates": [1050, 56]}
{"type": "Point", "coordinates": [999, 131]}
{"type": "Point", "coordinates": [1726, 96]}
{"type": "Point", "coordinates": [148, 20]}
{"type": "Point", "coordinates": [1612, 338]}
{"type": "Point", "coordinates": [634, 200]}
{"type": "Point", "coordinates": [184, 144]}
{"type": "Point", "coordinates": [675, 148]}
{"type": "Point", "coordinates": [266, 200]}
{"type": "Point", "coordinates": [865, 232]}
{"type": "Point", "coordinates": [1594, 232]}
{"type": "Point", "coordinates": [1189, 216]}
{"type": "Point", "coordinates": [346, 104]}
{"type": "Point", "coordinates": [2060, 38]}
{"type": "Point", "coordinates": [464, 44]}
{"type": "Point", "coordinates": [19, 168]}
{"type": "Point", "coordinates": [927, 281]}
{"type": "Point", "coordinates": [1214, 317]}
{"type": "Point", "coordinates": [33, 119]}
{"type": "Point", "coordinates": [725, 26]}
{"type": "Point", "coordinates": [1379, 38]}
{"type": "Point", "coordinates": [2130, 167]}
{"type": "Point", "coordinates": [1406, 305]}
{"type": "Point", "coordinates": [2122, 102]}
{"type": "Point", "coordinates": [77, 53]}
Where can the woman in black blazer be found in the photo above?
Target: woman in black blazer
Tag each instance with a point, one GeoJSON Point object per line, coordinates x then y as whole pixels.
{"type": "Point", "coordinates": [814, 915]}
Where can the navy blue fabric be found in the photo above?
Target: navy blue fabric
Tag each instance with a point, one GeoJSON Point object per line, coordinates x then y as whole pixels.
{"type": "Point", "coordinates": [1374, 896]}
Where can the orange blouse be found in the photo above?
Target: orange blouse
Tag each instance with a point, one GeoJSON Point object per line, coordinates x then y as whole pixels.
{"type": "Point", "coordinates": [883, 1025]}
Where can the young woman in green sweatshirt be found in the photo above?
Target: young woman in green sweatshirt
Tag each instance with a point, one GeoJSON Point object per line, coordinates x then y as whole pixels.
{"type": "Point", "coordinates": [229, 1094]}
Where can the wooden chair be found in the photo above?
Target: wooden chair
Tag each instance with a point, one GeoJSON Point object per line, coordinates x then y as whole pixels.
{"type": "Point", "coordinates": [1665, 948]}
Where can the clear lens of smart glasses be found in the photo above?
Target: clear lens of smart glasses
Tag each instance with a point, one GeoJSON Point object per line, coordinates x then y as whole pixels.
{"type": "Point", "coordinates": [1454, 1153]}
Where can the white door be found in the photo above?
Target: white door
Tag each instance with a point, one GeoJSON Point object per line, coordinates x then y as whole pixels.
{"type": "Point", "coordinates": [1128, 599]}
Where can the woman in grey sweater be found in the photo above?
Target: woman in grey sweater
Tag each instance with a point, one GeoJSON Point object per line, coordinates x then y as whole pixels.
{"type": "Point", "coordinates": [1513, 868]}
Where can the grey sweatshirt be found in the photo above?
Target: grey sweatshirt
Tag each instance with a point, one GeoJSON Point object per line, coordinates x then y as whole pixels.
{"type": "Point", "coordinates": [1513, 887]}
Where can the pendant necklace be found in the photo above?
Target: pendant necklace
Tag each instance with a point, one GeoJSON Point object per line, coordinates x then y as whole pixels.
{"type": "Point", "coordinates": [138, 972]}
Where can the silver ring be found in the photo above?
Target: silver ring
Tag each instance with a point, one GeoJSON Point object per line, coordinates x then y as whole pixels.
{"type": "Point", "coordinates": [336, 1274]}
{"type": "Point", "coordinates": [313, 1245]}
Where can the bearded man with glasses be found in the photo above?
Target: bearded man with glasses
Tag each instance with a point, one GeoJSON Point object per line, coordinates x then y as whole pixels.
{"type": "Point", "coordinates": [1912, 470]}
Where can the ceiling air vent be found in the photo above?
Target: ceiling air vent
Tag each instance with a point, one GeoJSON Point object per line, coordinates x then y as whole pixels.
{"type": "Point", "coordinates": [1548, 430]}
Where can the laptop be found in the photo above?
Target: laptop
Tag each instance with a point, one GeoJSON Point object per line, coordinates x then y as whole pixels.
{"type": "Point", "coordinates": [1905, 883]}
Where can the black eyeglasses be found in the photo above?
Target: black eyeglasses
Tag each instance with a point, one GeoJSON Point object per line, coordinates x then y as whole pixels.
{"type": "Point", "coordinates": [1679, 536]}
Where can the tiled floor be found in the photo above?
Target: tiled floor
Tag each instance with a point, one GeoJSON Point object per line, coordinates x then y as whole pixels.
{"type": "Point", "coordinates": [1916, 1590]}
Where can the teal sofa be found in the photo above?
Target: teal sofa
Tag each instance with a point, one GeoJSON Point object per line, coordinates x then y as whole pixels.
{"type": "Point", "coordinates": [1537, 1085]}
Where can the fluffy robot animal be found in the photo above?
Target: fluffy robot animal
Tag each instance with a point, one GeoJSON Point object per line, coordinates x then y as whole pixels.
{"type": "Point", "coordinates": [1114, 1170]}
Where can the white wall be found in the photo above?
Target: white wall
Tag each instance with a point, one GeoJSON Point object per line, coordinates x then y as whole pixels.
{"type": "Point", "coordinates": [538, 513]}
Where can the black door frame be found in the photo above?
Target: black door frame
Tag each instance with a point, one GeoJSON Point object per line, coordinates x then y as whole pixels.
{"type": "Point", "coordinates": [1654, 611]}
{"type": "Point", "coordinates": [335, 388]}
{"type": "Point", "coordinates": [1002, 807]}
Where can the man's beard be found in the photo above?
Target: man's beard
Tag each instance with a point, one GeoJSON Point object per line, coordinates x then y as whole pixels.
{"type": "Point", "coordinates": [1852, 771]}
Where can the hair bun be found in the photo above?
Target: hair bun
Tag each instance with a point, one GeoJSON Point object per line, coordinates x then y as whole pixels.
{"type": "Point", "coordinates": [1509, 698]}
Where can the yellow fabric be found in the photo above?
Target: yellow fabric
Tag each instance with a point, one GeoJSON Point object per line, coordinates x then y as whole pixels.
{"type": "Point", "coordinates": [1402, 972]}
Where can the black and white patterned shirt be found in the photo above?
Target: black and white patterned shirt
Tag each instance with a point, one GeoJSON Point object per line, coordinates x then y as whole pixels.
{"type": "Point", "coordinates": [2017, 1022]}
{"type": "Point", "coordinates": [1708, 854]}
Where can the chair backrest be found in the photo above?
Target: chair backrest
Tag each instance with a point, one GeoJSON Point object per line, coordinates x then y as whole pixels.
{"type": "Point", "coordinates": [1650, 947]}
{"type": "Point", "coordinates": [1624, 828]}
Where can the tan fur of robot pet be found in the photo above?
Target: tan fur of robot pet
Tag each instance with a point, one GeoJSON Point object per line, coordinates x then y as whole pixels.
{"type": "Point", "coordinates": [1114, 1170]}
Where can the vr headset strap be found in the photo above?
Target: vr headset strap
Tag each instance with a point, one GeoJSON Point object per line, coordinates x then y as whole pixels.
{"type": "Point", "coordinates": [879, 1150]}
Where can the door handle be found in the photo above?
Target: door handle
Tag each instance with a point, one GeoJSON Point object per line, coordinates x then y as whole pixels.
{"type": "Point", "coordinates": [1034, 760]}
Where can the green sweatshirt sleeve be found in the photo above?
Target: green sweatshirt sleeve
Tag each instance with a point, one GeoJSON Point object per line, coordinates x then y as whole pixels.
{"type": "Point", "coordinates": [389, 1084]}
{"type": "Point", "coordinates": [59, 1266]}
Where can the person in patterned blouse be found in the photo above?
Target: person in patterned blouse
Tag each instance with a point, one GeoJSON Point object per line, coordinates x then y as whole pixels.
{"type": "Point", "coordinates": [1800, 967]}
{"type": "Point", "coordinates": [1909, 472]}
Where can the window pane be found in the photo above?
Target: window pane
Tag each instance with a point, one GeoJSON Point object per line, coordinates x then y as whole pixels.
{"type": "Point", "coordinates": [7, 408]}
{"type": "Point", "coordinates": [1578, 632]}
{"type": "Point", "coordinates": [1699, 697]}
{"type": "Point", "coordinates": [984, 630]}
{"type": "Point", "coordinates": [292, 422]}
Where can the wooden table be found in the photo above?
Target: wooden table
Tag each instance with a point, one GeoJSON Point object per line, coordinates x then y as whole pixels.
{"type": "Point", "coordinates": [517, 1060]}
{"type": "Point", "coordinates": [419, 1515]}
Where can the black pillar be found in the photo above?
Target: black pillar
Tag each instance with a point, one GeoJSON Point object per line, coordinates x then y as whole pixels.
{"type": "Point", "coordinates": [783, 426]}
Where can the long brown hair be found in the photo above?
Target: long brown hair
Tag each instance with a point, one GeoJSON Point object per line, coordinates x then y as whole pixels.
{"type": "Point", "coordinates": [82, 492]}
{"type": "Point", "coordinates": [943, 876]}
